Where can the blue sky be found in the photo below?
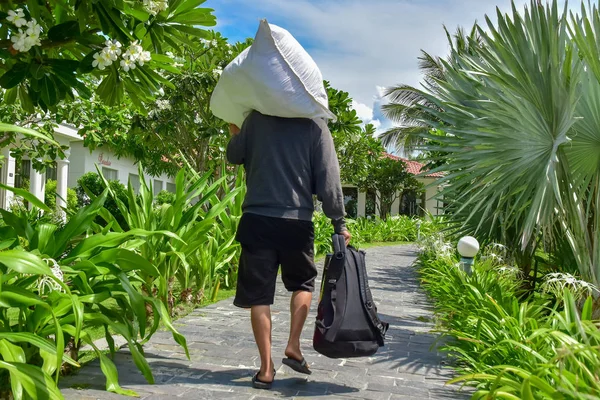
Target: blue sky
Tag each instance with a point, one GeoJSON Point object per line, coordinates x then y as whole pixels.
{"type": "Point", "coordinates": [361, 46]}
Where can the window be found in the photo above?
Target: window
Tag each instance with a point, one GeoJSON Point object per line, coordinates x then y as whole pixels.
{"type": "Point", "coordinates": [110, 174]}
{"type": "Point", "coordinates": [351, 201]}
{"type": "Point", "coordinates": [371, 206]}
{"type": "Point", "coordinates": [134, 180]}
{"type": "Point", "coordinates": [171, 187]}
{"type": "Point", "coordinates": [158, 185]}
{"type": "Point", "coordinates": [22, 174]}
{"type": "Point", "coordinates": [51, 173]}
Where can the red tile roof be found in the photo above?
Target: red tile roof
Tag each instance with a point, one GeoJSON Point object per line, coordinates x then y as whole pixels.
{"type": "Point", "coordinates": [414, 167]}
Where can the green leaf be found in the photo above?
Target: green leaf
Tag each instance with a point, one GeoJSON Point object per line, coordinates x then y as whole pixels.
{"type": "Point", "coordinates": [48, 91]}
{"type": "Point", "coordinates": [64, 31]}
{"type": "Point", "coordinates": [24, 262]}
{"type": "Point", "coordinates": [34, 134]}
{"type": "Point", "coordinates": [13, 353]}
{"type": "Point", "coordinates": [35, 382]}
{"type": "Point", "coordinates": [10, 97]}
{"type": "Point", "coordinates": [14, 76]}
{"type": "Point", "coordinates": [14, 296]}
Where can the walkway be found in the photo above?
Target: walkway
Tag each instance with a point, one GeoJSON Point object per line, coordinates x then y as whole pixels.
{"type": "Point", "coordinates": [223, 354]}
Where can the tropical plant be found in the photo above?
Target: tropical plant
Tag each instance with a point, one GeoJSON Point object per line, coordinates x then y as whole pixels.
{"type": "Point", "coordinates": [91, 185]}
{"type": "Point", "coordinates": [522, 134]}
{"type": "Point", "coordinates": [191, 219]}
{"type": "Point", "coordinates": [50, 197]}
{"type": "Point", "coordinates": [405, 107]}
{"type": "Point", "coordinates": [48, 47]}
{"type": "Point", "coordinates": [388, 178]}
{"type": "Point", "coordinates": [57, 285]}
{"type": "Point", "coordinates": [507, 346]}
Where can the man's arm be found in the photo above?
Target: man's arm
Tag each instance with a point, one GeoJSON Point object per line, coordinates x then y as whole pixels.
{"type": "Point", "coordinates": [326, 171]}
{"type": "Point", "coordinates": [236, 148]}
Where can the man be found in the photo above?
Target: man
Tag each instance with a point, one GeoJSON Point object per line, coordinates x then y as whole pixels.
{"type": "Point", "coordinates": [287, 160]}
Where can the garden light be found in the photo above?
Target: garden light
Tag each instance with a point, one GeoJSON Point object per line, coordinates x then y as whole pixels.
{"type": "Point", "coordinates": [467, 247]}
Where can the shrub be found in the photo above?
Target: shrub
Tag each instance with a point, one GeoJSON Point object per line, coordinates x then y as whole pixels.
{"type": "Point", "coordinates": [165, 197]}
{"type": "Point", "coordinates": [50, 197]}
{"type": "Point", "coordinates": [95, 185]}
{"type": "Point", "coordinates": [509, 346]}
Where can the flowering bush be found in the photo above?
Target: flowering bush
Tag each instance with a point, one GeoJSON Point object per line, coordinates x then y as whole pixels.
{"type": "Point", "coordinates": [48, 47]}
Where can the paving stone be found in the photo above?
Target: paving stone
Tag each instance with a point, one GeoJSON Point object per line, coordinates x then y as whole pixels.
{"type": "Point", "coordinates": [223, 355]}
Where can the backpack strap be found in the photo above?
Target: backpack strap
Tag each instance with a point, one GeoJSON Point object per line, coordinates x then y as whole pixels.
{"type": "Point", "coordinates": [335, 269]}
{"type": "Point", "coordinates": [367, 297]}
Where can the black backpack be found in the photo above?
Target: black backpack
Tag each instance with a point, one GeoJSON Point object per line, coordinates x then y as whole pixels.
{"type": "Point", "coordinates": [347, 322]}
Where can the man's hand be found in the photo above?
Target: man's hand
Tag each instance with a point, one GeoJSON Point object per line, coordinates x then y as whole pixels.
{"type": "Point", "coordinates": [347, 236]}
{"type": "Point", "coordinates": [233, 129]}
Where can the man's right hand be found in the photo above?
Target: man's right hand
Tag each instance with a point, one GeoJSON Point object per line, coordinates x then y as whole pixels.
{"type": "Point", "coordinates": [347, 236]}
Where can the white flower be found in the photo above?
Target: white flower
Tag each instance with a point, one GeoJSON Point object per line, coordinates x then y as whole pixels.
{"type": "Point", "coordinates": [24, 40]}
{"type": "Point", "coordinates": [218, 71]}
{"type": "Point", "coordinates": [163, 104]}
{"type": "Point", "coordinates": [144, 57]}
{"type": "Point", "coordinates": [197, 119]}
{"type": "Point", "coordinates": [170, 54]}
{"type": "Point", "coordinates": [18, 40]}
{"type": "Point", "coordinates": [155, 7]}
{"type": "Point", "coordinates": [113, 48]}
{"type": "Point", "coordinates": [127, 64]}
{"type": "Point", "coordinates": [214, 43]}
{"type": "Point", "coordinates": [102, 60]}
{"type": "Point", "coordinates": [17, 17]}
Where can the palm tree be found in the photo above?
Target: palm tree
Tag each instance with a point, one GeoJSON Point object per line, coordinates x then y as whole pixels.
{"type": "Point", "coordinates": [407, 102]}
{"type": "Point", "coordinates": [523, 133]}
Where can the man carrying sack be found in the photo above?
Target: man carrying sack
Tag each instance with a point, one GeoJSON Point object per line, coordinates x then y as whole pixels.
{"type": "Point", "coordinates": [287, 160]}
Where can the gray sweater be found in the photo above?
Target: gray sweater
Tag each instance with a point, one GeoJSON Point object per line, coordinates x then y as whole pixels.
{"type": "Point", "coordinates": [287, 160]}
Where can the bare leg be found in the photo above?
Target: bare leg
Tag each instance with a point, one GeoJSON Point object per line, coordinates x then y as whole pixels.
{"type": "Point", "coordinates": [261, 326]}
{"type": "Point", "coordinates": [299, 306]}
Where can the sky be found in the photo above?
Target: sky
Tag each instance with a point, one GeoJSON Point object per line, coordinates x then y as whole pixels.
{"type": "Point", "coordinates": [361, 46]}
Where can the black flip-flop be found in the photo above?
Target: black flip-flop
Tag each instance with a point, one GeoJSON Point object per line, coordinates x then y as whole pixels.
{"type": "Point", "coordinates": [298, 366]}
{"type": "Point", "coordinates": [258, 384]}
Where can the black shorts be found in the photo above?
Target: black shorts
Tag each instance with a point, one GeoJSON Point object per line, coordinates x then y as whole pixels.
{"type": "Point", "coordinates": [257, 274]}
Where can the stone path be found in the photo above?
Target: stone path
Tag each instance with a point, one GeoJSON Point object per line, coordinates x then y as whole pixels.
{"type": "Point", "coordinates": [224, 357]}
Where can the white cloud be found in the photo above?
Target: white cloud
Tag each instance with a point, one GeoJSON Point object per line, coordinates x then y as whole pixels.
{"type": "Point", "coordinates": [363, 46]}
{"type": "Point", "coordinates": [364, 112]}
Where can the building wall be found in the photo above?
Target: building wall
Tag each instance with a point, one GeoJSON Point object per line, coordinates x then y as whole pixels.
{"type": "Point", "coordinates": [82, 161]}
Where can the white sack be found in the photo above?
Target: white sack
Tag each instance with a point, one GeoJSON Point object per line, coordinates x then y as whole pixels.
{"type": "Point", "coordinates": [275, 76]}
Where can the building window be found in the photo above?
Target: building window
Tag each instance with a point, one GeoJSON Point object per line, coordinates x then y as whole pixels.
{"type": "Point", "coordinates": [158, 185]}
{"type": "Point", "coordinates": [110, 174]}
{"type": "Point", "coordinates": [371, 205]}
{"type": "Point", "coordinates": [134, 181]}
{"type": "Point", "coordinates": [351, 201]}
{"type": "Point", "coordinates": [51, 173]}
{"type": "Point", "coordinates": [171, 187]}
{"type": "Point", "coordinates": [22, 174]}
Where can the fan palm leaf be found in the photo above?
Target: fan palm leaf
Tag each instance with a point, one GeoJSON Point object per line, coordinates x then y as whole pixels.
{"type": "Point", "coordinates": [523, 116]}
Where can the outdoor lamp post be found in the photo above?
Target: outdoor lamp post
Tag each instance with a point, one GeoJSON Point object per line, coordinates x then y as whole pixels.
{"type": "Point", "coordinates": [468, 247]}
{"type": "Point", "coordinates": [418, 230]}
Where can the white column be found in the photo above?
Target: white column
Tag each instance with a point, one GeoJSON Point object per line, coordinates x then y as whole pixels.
{"type": "Point", "coordinates": [396, 205]}
{"type": "Point", "coordinates": [62, 178]}
{"type": "Point", "coordinates": [361, 207]}
{"type": "Point", "coordinates": [37, 183]}
{"type": "Point", "coordinates": [8, 178]}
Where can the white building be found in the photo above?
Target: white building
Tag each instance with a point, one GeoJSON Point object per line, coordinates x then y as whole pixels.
{"type": "Point", "coordinates": [78, 161]}
{"type": "Point", "coordinates": [361, 204]}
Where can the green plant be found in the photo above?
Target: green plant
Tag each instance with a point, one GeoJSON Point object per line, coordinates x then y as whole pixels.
{"type": "Point", "coordinates": [190, 220]}
{"type": "Point", "coordinates": [50, 197]}
{"type": "Point", "coordinates": [522, 145]}
{"type": "Point", "coordinates": [91, 184]}
{"type": "Point", "coordinates": [165, 197]}
{"type": "Point", "coordinates": [55, 285]}
{"type": "Point", "coordinates": [49, 47]}
{"type": "Point", "coordinates": [509, 346]}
